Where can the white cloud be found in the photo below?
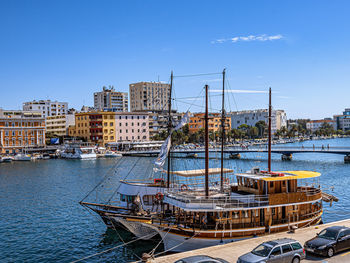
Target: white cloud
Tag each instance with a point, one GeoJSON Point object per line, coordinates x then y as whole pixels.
{"type": "Point", "coordinates": [239, 91]}
{"type": "Point", "coordinates": [249, 38]}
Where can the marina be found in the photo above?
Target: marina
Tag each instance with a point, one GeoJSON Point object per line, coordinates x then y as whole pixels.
{"type": "Point", "coordinates": [44, 221]}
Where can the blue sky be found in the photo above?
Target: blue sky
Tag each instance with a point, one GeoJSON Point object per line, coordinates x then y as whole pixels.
{"type": "Point", "coordinates": [66, 50]}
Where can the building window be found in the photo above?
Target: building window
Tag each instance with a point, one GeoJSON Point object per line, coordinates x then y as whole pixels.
{"type": "Point", "coordinates": [111, 124]}
{"type": "Point", "coordinates": [111, 137]}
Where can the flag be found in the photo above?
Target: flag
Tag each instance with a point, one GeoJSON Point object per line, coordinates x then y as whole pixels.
{"type": "Point", "coordinates": [164, 150]}
{"type": "Point", "coordinates": [183, 121]}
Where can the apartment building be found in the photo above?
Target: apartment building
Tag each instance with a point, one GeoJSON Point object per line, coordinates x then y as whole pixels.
{"type": "Point", "coordinates": [58, 125]}
{"type": "Point", "coordinates": [103, 127]}
{"type": "Point", "coordinates": [110, 100]}
{"type": "Point", "coordinates": [20, 129]}
{"type": "Point", "coordinates": [47, 107]}
{"type": "Point", "coordinates": [251, 117]}
{"type": "Point", "coordinates": [317, 124]}
{"type": "Point", "coordinates": [214, 122]}
{"type": "Point", "coordinates": [342, 122]}
{"type": "Point", "coordinates": [132, 126]}
{"type": "Point", "coordinates": [158, 121]}
{"type": "Point", "coordinates": [149, 96]}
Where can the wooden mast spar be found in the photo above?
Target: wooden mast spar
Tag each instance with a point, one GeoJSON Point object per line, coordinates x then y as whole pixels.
{"type": "Point", "coordinates": [206, 142]}
{"type": "Point", "coordinates": [269, 142]}
{"type": "Point", "coordinates": [222, 132]}
{"type": "Point", "coordinates": [169, 129]}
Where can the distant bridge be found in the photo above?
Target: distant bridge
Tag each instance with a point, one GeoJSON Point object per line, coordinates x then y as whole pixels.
{"type": "Point", "coordinates": [287, 152]}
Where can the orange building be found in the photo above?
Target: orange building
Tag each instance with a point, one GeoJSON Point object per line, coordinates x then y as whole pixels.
{"type": "Point", "coordinates": [21, 129]}
{"type": "Point", "coordinates": [197, 122]}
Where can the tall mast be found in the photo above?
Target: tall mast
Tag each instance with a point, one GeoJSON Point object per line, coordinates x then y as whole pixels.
{"type": "Point", "coordinates": [222, 132]}
{"type": "Point", "coordinates": [206, 142]}
{"type": "Point", "coordinates": [269, 143]}
{"type": "Point", "coordinates": [169, 128]}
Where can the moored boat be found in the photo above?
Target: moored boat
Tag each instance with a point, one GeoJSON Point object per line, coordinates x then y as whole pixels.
{"type": "Point", "coordinates": [212, 206]}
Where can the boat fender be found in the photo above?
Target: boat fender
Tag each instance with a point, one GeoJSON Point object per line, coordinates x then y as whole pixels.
{"type": "Point", "coordinates": [226, 181]}
{"type": "Point", "coordinates": [159, 196]}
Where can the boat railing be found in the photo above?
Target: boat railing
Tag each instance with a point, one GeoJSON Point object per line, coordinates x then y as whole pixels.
{"type": "Point", "coordinates": [237, 201]}
{"type": "Point", "coordinates": [309, 190]}
{"type": "Point", "coordinates": [297, 218]}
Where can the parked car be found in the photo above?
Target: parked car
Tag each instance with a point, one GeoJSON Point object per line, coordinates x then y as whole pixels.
{"type": "Point", "coordinates": [329, 241]}
{"type": "Point", "coordinates": [201, 259]}
{"type": "Point", "coordinates": [283, 250]}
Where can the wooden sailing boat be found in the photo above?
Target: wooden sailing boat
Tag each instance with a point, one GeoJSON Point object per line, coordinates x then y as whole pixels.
{"type": "Point", "coordinates": [188, 218]}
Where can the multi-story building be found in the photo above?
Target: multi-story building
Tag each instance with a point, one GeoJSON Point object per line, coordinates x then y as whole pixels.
{"type": "Point", "coordinates": [132, 126]}
{"type": "Point", "coordinates": [47, 107]}
{"type": "Point", "coordinates": [58, 125]}
{"type": "Point", "coordinates": [251, 117]}
{"type": "Point", "coordinates": [317, 124]}
{"type": "Point", "coordinates": [214, 122]}
{"type": "Point", "coordinates": [149, 96]}
{"type": "Point", "coordinates": [158, 121]}
{"type": "Point", "coordinates": [20, 129]}
{"type": "Point", "coordinates": [104, 127]}
{"type": "Point", "coordinates": [343, 121]}
{"type": "Point", "coordinates": [111, 100]}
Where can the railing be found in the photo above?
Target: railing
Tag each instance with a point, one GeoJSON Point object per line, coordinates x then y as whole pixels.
{"type": "Point", "coordinates": [184, 199]}
{"type": "Point", "coordinates": [201, 202]}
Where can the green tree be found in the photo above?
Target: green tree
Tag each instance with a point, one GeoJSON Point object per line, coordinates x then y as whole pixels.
{"type": "Point", "coordinates": [261, 125]}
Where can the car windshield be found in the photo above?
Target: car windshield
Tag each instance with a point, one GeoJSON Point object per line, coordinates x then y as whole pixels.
{"type": "Point", "coordinates": [262, 250]}
{"type": "Point", "coordinates": [328, 234]}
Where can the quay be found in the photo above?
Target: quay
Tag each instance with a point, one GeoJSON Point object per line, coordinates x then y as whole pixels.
{"type": "Point", "coordinates": [232, 251]}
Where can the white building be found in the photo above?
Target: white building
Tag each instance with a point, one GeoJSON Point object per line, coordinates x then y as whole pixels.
{"type": "Point", "coordinates": [111, 100]}
{"type": "Point", "coordinates": [316, 124]}
{"type": "Point", "coordinates": [47, 107]}
{"type": "Point", "coordinates": [58, 125]}
{"type": "Point", "coordinates": [343, 121]}
{"type": "Point", "coordinates": [251, 117]}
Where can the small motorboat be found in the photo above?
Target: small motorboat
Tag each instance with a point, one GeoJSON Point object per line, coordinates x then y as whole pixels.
{"type": "Point", "coordinates": [6, 159]}
{"type": "Point", "coordinates": [22, 157]}
{"type": "Point", "coordinates": [111, 154]}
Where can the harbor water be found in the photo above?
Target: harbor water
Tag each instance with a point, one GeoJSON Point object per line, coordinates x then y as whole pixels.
{"type": "Point", "coordinates": [41, 219]}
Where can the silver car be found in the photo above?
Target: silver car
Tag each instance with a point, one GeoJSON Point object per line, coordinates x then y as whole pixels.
{"type": "Point", "coordinates": [283, 250]}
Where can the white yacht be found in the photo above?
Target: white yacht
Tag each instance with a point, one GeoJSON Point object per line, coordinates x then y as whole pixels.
{"type": "Point", "coordinates": [22, 157]}
{"type": "Point", "coordinates": [78, 150]}
{"type": "Point", "coordinates": [111, 154]}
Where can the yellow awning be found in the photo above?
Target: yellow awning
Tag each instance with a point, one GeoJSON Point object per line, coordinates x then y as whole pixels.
{"type": "Point", "coordinates": [200, 172]}
{"type": "Point", "coordinates": [292, 175]}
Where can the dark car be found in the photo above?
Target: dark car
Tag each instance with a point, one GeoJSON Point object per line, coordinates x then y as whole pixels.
{"type": "Point", "coordinates": [329, 241]}
{"type": "Point", "coordinates": [200, 259]}
{"type": "Point", "coordinates": [285, 250]}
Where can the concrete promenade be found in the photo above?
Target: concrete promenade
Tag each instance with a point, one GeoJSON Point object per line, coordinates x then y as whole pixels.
{"type": "Point", "coordinates": [232, 251]}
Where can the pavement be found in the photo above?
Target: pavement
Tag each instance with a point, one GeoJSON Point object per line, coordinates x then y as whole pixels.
{"type": "Point", "coordinates": [232, 251]}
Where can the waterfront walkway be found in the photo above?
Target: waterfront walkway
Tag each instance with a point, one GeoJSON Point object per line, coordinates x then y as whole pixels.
{"type": "Point", "coordinates": [232, 251]}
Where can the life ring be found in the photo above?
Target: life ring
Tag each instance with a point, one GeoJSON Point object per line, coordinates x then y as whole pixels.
{"type": "Point", "coordinates": [159, 196]}
{"type": "Point", "coordinates": [184, 187]}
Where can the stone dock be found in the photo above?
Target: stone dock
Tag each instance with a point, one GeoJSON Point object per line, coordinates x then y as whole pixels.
{"type": "Point", "coordinates": [232, 251]}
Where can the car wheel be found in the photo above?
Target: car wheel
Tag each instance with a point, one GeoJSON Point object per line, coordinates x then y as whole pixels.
{"type": "Point", "coordinates": [330, 252]}
{"type": "Point", "coordinates": [296, 260]}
